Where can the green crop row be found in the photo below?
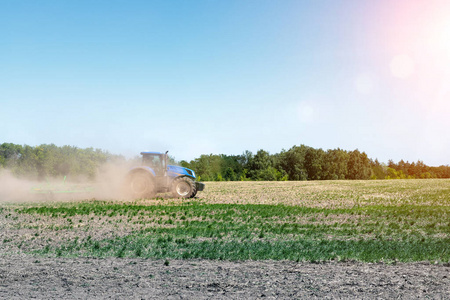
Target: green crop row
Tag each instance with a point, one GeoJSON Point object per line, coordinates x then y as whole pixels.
{"type": "Point", "coordinates": [247, 231]}
{"type": "Point", "coordinates": [105, 208]}
{"type": "Point", "coordinates": [167, 246]}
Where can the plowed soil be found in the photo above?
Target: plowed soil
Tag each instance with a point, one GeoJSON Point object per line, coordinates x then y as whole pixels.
{"type": "Point", "coordinates": [25, 277]}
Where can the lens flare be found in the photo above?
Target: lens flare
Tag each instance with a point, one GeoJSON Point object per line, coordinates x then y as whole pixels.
{"type": "Point", "coordinates": [439, 38]}
{"type": "Point", "coordinates": [402, 66]}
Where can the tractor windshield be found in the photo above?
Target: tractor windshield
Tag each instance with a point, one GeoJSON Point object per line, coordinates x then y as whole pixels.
{"type": "Point", "coordinates": [154, 161]}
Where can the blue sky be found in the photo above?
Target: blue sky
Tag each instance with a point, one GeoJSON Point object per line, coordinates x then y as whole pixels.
{"type": "Point", "coordinates": [200, 77]}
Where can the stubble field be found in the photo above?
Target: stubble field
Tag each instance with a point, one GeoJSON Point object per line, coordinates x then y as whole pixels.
{"type": "Point", "coordinates": [236, 240]}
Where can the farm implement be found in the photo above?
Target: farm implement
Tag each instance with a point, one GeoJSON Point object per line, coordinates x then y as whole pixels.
{"type": "Point", "coordinates": [50, 189]}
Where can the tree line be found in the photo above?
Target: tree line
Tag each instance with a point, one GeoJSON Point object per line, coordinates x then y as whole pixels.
{"type": "Point", "coordinates": [298, 163]}
{"type": "Point", "coordinates": [44, 161]}
{"type": "Point", "coordinates": [307, 163]}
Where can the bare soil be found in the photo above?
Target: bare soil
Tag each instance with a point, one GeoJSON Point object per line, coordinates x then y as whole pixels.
{"type": "Point", "coordinates": [25, 277]}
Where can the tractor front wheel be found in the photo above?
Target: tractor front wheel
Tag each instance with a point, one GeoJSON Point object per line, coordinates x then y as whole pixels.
{"type": "Point", "coordinates": [183, 187]}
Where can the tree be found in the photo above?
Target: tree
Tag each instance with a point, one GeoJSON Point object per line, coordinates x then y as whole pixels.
{"type": "Point", "coordinates": [358, 165]}
{"type": "Point", "coordinates": [293, 162]}
{"type": "Point", "coordinates": [10, 154]}
{"type": "Point", "coordinates": [337, 164]}
{"type": "Point", "coordinates": [231, 166]}
{"type": "Point", "coordinates": [261, 161]}
{"type": "Point", "coordinates": [379, 171]}
{"type": "Point", "coordinates": [229, 174]}
{"type": "Point", "coordinates": [269, 174]}
{"type": "Point", "coordinates": [314, 162]}
{"type": "Point", "coordinates": [207, 166]}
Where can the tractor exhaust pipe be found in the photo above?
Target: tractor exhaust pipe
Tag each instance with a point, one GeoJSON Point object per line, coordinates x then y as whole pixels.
{"type": "Point", "coordinates": [165, 163]}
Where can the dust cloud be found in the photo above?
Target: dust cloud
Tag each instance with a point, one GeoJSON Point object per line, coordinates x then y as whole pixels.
{"type": "Point", "coordinates": [110, 180]}
{"type": "Point", "coordinates": [108, 184]}
{"type": "Point", "coordinates": [13, 189]}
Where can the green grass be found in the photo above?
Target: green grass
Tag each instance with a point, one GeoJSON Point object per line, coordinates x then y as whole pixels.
{"type": "Point", "coordinates": [397, 220]}
{"type": "Point", "coordinates": [146, 246]}
{"type": "Point", "coordinates": [255, 231]}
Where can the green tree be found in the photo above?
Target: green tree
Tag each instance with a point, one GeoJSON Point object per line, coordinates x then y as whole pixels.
{"type": "Point", "coordinates": [292, 162]}
{"type": "Point", "coordinates": [337, 161]}
{"type": "Point", "coordinates": [229, 174]}
{"type": "Point", "coordinates": [207, 166]}
{"type": "Point", "coordinates": [358, 165]}
{"type": "Point", "coordinates": [314, 163]}
{"type": "Point", "coordinates": [379, 171]}
{"type": "Point", "coordinates": [231, 166]}
{"type": "Point", "coordinates": [10, 154]}
{"type": "Point", "coordinates": [269, 174]}
{"type": "Point", "coordinates": [261, 161]}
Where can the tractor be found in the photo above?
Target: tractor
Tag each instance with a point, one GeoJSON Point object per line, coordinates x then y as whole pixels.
{"type": "Point", "coordinates": [155, 175]}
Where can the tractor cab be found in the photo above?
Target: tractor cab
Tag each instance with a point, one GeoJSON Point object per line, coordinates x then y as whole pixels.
{"type": "Point", "coordinates": [155, 160]}
{"type": "Point", "coordinates": [155, 175]}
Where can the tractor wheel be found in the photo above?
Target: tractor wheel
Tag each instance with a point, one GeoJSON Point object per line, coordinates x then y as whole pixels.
{"type": "Point", "coordinates": [141, 186]}
{"type": "Point", "coordinates": [183, 187]}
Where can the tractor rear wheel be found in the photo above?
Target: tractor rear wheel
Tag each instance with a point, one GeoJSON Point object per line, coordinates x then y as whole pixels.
{"type": "Point", "coordinates": [183, 187]}
{"type": "Point", "coordinates": [141, 186]}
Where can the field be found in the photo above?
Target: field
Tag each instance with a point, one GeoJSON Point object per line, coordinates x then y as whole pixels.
{"type": "Point", "coordinates": [277, 239]}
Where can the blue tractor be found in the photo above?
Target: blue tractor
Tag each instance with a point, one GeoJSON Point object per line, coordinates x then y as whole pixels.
{"type": "Point", "coordinates": [155, 175]}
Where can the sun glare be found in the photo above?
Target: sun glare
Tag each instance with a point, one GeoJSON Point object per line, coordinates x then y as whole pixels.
{"type": "Point", "coordinates": [446, 34]}
{"type": "Point", "coordinates": [439, 38]}
{"type": "Point", "coordinates": [402, 66]}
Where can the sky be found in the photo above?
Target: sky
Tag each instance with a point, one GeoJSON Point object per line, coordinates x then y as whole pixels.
{"type": "Point", "coordinates": [222, 77]}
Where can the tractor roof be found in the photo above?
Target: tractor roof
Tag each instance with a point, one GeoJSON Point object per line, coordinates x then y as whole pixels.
{"type": "Point", "coordinates": [150, 152]}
